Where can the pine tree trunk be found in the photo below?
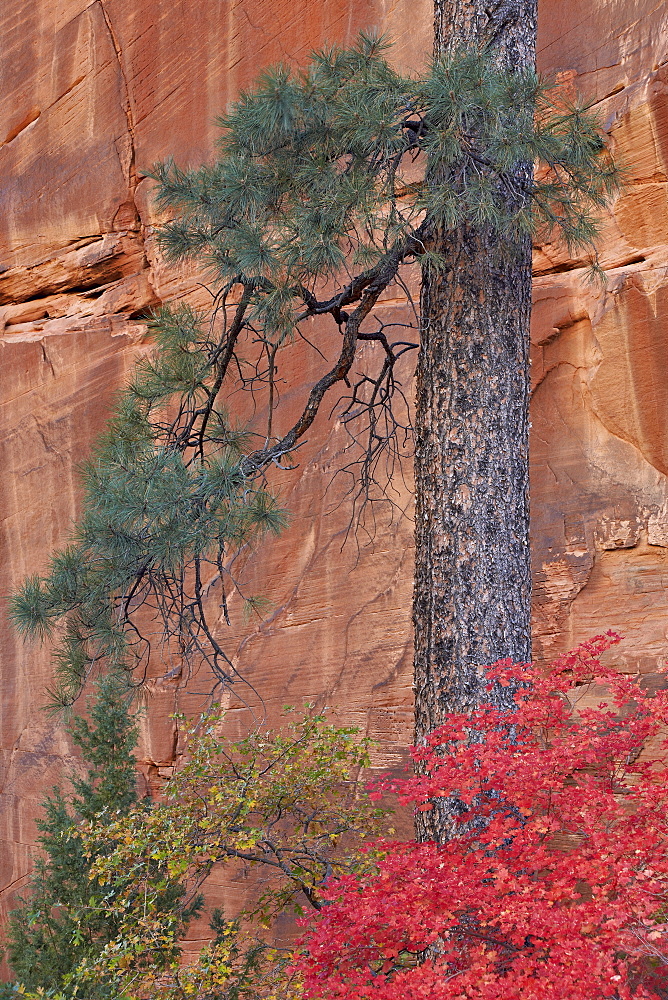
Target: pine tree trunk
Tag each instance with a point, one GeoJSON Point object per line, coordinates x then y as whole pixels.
{"type": "Point", "coordinates": [472, 599]}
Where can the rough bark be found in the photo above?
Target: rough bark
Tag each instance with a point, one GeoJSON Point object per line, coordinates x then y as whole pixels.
{"type": "Point", "coordinates": [472, 597]}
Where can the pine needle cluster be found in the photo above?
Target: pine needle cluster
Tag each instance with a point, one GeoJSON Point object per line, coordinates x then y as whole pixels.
{"type": "Point", "coordinates": [326, 170]}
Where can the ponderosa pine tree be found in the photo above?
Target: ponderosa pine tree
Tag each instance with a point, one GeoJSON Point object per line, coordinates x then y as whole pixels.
{"type": "Point", "coordinates": [472, 592]}
{"type": "Point", "coordinates": [328, 183]}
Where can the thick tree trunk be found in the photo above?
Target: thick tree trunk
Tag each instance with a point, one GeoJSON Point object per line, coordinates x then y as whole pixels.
{"type": "Point", "coordinates": [472, 599]}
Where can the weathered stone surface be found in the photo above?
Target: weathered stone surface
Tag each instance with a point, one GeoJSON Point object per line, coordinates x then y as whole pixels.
{"type": "Point", "coordinates": [96, 93]}
{"type": "Point", "coordinates": [599, 409]}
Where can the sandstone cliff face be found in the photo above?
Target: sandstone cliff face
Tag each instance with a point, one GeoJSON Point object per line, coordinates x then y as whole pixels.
{"type": "Point", "coordinates": [95, 93]}
{"type": "Point", "coordinates": [600, 398]}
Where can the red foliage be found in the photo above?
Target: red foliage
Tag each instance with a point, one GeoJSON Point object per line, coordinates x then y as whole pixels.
{"type": "Point", "coordinates": [555, 884]}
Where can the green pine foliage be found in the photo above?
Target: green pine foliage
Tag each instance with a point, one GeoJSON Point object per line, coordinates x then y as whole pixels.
{"type": "Point", "coordinates": [328, 182]}
{"type": "Point", "coordinates": [66, 918]}
{"type": "Point", "coordinates": [158, 505]}
{"type": "Point", "coordinates": [314, 167]}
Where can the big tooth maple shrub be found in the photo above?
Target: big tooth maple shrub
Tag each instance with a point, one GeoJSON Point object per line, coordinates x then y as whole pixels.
{"type": "Point", "coordinates": [555, 881]}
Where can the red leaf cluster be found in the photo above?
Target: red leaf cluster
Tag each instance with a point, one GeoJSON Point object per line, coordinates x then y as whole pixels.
{"type": "Point", "coordinates": [554, 882]}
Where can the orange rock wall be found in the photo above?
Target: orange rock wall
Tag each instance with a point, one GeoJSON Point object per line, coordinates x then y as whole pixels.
{"type": "Point", "coordinates": [96, 93]}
